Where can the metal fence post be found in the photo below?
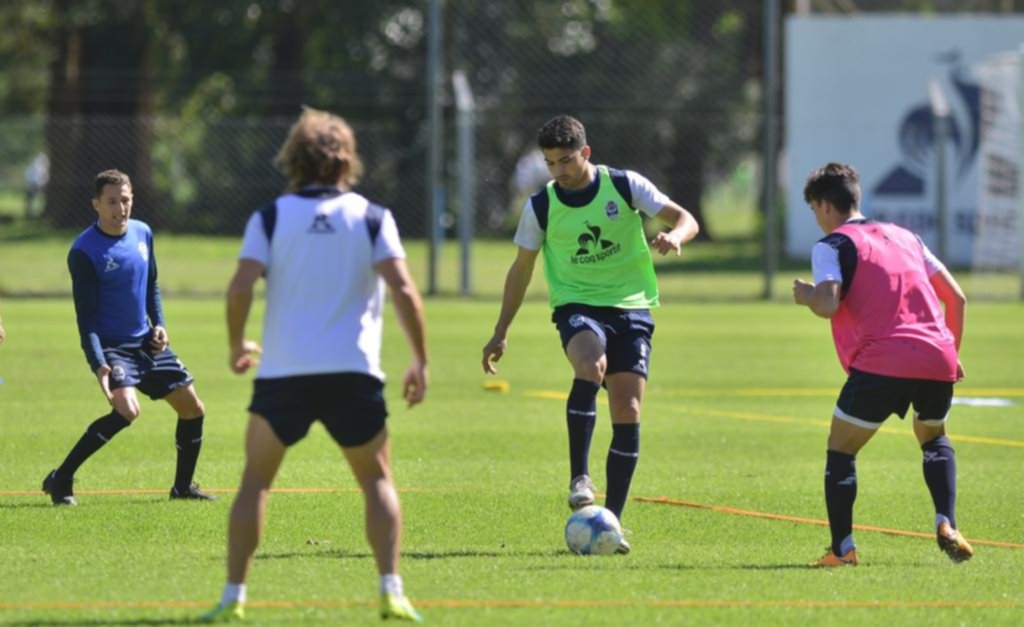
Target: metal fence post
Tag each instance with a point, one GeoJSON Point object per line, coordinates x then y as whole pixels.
{"type": "Point", "coordinates": [435, 170]}
{"type": "Point", "coordinates": [465, 128]}
{"type": "Point", "coordinates": [771, 130]}
{"type": "Point", "coordinates": [940, 114]}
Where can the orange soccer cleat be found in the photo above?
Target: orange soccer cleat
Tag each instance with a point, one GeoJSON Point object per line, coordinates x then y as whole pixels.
{"type": "Point", "coordinates": [831, 560]}
{"type": "Point", "coordinates": [953, 544]}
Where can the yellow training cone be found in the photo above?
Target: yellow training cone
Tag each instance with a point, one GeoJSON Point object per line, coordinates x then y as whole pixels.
{"type": "Point", "coordinates": [496, 386]}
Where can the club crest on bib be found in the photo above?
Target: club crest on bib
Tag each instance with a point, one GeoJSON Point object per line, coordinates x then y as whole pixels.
{"type": "Point", "coordinates": [612, 210]}
{"type": "Point", "coordinates": [144, 251]}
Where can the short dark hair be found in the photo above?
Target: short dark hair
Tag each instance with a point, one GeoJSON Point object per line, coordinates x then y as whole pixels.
{"type": "Point", "coordinates": [837, 184]}
{"type": "Point", "coordinates": [110, 177]}
{"type": "Point", "coordinates": [562, 131]}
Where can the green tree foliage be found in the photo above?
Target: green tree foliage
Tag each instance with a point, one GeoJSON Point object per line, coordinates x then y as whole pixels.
{"type": "Point", "coordinates": [180, 94]}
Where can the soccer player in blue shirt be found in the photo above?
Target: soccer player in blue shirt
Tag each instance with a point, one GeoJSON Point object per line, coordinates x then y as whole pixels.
{"type": "Point", "coordinates": [121, 324]}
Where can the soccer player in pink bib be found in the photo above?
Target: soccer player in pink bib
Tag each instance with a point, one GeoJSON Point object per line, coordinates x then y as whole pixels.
{"type": "Point", "coordinates": [884, 292]}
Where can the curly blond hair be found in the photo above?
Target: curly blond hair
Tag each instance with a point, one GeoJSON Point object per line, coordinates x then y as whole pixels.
{"type": "Point", "coordinates": [320, 149]}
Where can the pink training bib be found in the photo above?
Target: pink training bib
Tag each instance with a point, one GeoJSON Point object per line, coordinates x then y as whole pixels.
{"type": "Point", "coordinates": [890, 321]}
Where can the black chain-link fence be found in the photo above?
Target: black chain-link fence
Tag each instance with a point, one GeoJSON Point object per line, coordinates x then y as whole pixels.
{"type": "Point", "coordinates": [670, 88]}
{"type": "Point", "coordinates": [666, 88]}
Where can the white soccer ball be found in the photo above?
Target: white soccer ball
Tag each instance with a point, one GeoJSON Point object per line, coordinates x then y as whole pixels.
{"type": "Point", "coordinates": [593, 530]}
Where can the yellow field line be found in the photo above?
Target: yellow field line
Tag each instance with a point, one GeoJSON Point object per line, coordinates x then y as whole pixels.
{"type": "Point", "coordinates": [974, 439]}
{"type": "Point", "coordinates": [833, 392]}
{"type": "Point", "coordinates": [809, 521]}
{"type": "Point", "coordinates": [517, 603]}
{"type": "Point", "coordinates": [786, 391]}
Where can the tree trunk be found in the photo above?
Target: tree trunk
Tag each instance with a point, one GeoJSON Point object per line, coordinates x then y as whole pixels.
{"type": "Point", "coordinates": [98, 112]}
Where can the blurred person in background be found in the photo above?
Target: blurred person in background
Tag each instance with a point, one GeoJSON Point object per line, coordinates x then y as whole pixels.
{"type": "Point", "coordinates": [37, 175]}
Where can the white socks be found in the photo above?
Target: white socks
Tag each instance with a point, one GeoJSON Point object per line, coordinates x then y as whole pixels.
{"type": "Point", "coordinates": [232, 592]}
{"type": "Point", "coordinates": [391, 584]}
{"type": "Point", "coordinates": [236, 592]}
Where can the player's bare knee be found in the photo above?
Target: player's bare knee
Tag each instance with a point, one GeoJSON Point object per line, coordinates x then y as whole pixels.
{"type": "Point", "coordinates": [626, 413]}
{"type": "Point", "coordinates": [195, 411]}
{"type": "Point", "coordinates": [127, 409]}
{"type": "Point", "coordinates": [590, 370]}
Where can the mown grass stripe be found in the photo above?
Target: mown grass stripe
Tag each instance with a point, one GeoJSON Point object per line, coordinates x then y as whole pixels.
{"type": "Point", "coordinates": [735, 415]}
{"type": "Point", "coordinates": [519, 603]}
{"type": "Point", "coordinates": [211, 490]}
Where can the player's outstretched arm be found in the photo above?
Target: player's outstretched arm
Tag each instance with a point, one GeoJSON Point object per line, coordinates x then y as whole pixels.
{"type": "Point", "coordinates": [409, 307]}
{"type": "Point", "coordinates": [516, 282]}
{"type": "Point", "coordinates": [955, 301]}
{"type": "Point", "coordinates": [243, 353]}
{"type": "Point", "coordinates": [822, 299]}
{"type": "Point", "coordinates": [683, 225]}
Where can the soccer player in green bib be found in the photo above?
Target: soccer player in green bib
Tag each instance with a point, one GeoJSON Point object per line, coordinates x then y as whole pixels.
{"type": "Point", "coordinates": [600, 275]}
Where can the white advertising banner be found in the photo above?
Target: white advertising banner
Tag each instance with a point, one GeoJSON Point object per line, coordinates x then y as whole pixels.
{"type": "Point", "coordinates": [857, 93]}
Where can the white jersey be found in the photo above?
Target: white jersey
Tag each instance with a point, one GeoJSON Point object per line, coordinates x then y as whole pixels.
{"type": "Point", "coordinates": [324, 298]}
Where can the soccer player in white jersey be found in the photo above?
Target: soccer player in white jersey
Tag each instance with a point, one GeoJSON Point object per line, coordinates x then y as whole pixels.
{"type": "Point", "coordinates": [326, 253]}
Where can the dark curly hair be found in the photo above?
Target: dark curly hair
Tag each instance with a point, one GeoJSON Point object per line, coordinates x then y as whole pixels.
{"type": "Point", "coordinates": [837, 184]}
{"type": "Point", "coordinates": [562, 131]}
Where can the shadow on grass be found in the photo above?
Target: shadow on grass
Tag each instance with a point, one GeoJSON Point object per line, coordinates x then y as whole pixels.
{"type": "Point", "coordinates": [97, 621]}
{"type": "Point", "coordinates": [27, 505]}
{"type": "Point", "coordinates": [617, 564]}
{"type": "Point", "coordinates": [409, 555]}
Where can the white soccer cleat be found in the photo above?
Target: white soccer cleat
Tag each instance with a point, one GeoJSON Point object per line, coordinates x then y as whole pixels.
{"type": "Point", "coordinates": [581, 492]}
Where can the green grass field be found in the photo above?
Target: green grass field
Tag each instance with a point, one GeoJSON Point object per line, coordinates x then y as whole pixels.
{"type": "Point", "coordinates": [736, 417]}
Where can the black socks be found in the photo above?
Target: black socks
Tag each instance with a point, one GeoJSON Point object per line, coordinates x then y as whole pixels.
{"type": "Point", "coordinates": [581, 412]}
{"type": "Point", "coordinates": [840, 493]}
{"type": "Point", "coordinates": [188, 438]}
{"type": "Point", "coordinates": [101, 431]}
{"type": "Point", "coordinates": [623, 455]}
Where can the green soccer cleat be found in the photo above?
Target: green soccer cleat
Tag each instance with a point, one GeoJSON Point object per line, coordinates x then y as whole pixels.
{"type": "Point", "coordinates": [398, 608]}
{"type": "Point", "coordinates": [229, 613]}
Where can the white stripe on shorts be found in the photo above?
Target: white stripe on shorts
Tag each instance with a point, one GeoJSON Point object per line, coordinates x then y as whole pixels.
{"type": "Point", "coordinates": [932, 423]}
{"type": "Point", "coordinates": [853, 420]}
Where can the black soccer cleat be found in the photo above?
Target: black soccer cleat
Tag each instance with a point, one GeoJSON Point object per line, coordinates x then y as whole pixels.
{"type": "Point", "coordinates": [191, 493]}
{"type": "Point", "coordinates": [59, 489]}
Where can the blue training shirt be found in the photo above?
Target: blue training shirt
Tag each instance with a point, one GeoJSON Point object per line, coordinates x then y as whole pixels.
{"type": "Point", "coordinates": [113, 280]}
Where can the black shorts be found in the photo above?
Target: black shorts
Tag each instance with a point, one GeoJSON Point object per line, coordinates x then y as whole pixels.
{"type": "Point", "coordinates": [867, 400]}
{"type": "Point", "coordinates": [156, 376]}
{"type": "Point", "coordinates": [625, 333]}
{"type": "Point", "coordinates": [350, 404]}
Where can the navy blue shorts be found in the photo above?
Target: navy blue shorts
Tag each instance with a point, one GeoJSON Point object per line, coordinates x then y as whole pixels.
{"type": "Point", "coordinates": [867, 400]}
{"type": "Point", "coordinates": [625, 333]}
{"type": "Point", "coordinates": [156, 376]}
{"type": "Point", "coordinates": [349, 404]}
